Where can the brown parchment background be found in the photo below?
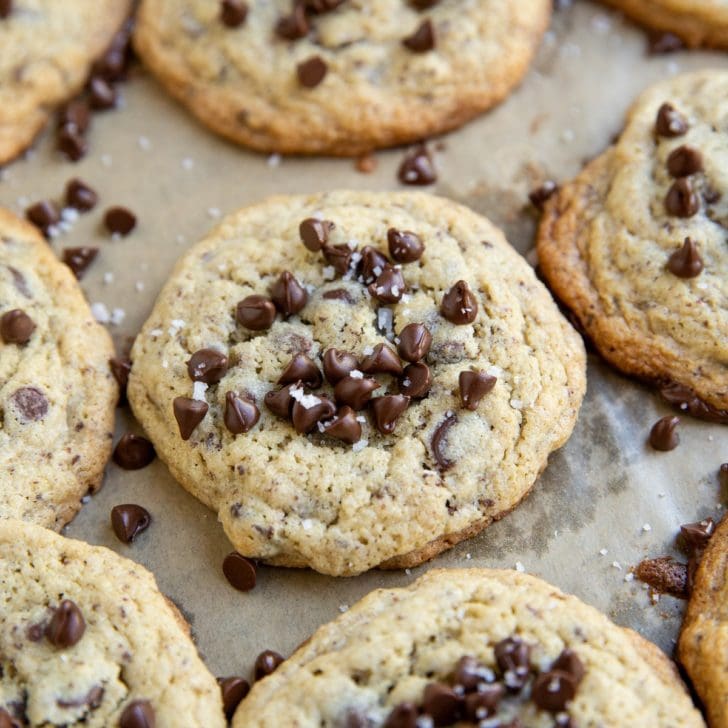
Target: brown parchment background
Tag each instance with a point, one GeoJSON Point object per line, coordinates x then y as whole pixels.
{"type": "Point", "coordinates": [597, 493]}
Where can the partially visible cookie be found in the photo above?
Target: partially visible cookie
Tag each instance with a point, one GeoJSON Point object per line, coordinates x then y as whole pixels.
{"type": "Point", "coordinates": [48, 48]}
{"type": "Point", "coordinates": [703, 646]}
{"type": "Point", "coordinates": [472, 647]}
{"type": "Point", "coordinates": [86, 638]}
{"type": "Point", "coordinates": [57, 394]}
{"type": "Point", "coordinates": [342, 76]}
{"type": "Point", "coordinates": [636, 244]}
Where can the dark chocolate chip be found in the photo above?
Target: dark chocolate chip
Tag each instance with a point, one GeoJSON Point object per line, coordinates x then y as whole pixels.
{"type": "Point", "coordinates": [305, 419]}
{"type": "Point", "coordinates": [552, 690]}
{"type": "Point", "coordinates": [417, 167]}
{"type": "Point", "coordinates": [670, 122]}
{"type": "Point", "coordinates": [404, 245]}
{"type": "Point", "coordinates": [387, 410]}
{"type": "Point", "coordinates": [79, 259]}
{"type": "Point", "coordinates": [207, 365]}
{"type": "Point", "coordinates": [31, 403]}
{"type": "Point", "coordinates": [71, 143]}
{"type": "Point", "coordinates": [301, 369]}
{"type": "Point", "coordinates": [438, 440]}
{"type": "Point", "coordinates": [43, 215]}
{"type": "Point", "coordinates": [256, 313]}
{"type": "Point", "coordinates": [414, 342]}
{"type": "Point", "coordinates": [133, 452]}
{"type": "Point", "coordinates": [484, 702]}
{"type": "Point", "coordinates": [129, 520]}
{"type": "Point", "coordinates": [382, 360]}
{"type": "Point", "coordinates": [239, 571]}
{"type": "Point", "coordinates": [120, 368]}
{"type": "Point", "coordinates": [16, 327]}
{"type": "Point", "coordinates": [102, 95]}
{"type": "Point", "coordinates": [338, 364]}
{"type": "Point", "coordinates": [663, 435]}
{"type": "Point", "coordinates": [442, 704]}
{"type": "Point", "coordinates": [233, 690]}
{"type": "Point", "coordinates": [422, 39]}
{"type": "Point", "coordinates": [568, 661]}
{"type": "Point", "coordinates": [416, 380]}
{"type": "Point", "coordinates": [664, 575]}
{"type": "Point", "coordinates": [513, 657]}
{"type": "Point", "coordinates": [344, 426]}
{"type": "Point", "coordinates": [424, 4]}
{"type": "Point", "coordinates": [288, 294]}
{"type": "Point", "coordinates": [469, 673]}
{"type": "Point", "coordinates": [372, 264]}
{"type": "Point", "coordinates": [662, 42]}
{"type": "Point", "coordinates": [241, 414]}
{"type": "Point", "coordinates": [315, 233]}
{"type": "Point", "coordinates": [138, 714]}
{"type": "Point", "coordinates": [686, 400]}
{"type": "Point", "coordinates": [474, 385]}
{"type": "Point", "coordinates": [6, 7]}
{"type": "Point", "coordinates": [355, 719]}
{"type": "Point", "coordinates": [66, 626]}
{"type": "Point", "coordinates": [459, 304]}
{"type": "Point", "coordinates": [338, 257]}
{"type": "Point", "coordinates": [119, 220]}
{"type": "Point", "coordinates": [188, 413]}
{"type": "Point", "coordinates": [404, 715]}
{"type": "Point", "coordinates": [279, 402]}
{"type": "Point", "coordinates": [312, 71]}
{"type": "Point", "coordinates": [321, 6]}
{"type": "Point", "coordinates": [233, 12]}
{"type": "Point", "coordinates": [339, 294]}
{"type": "Point", "coordinates": [389, 287]}
{"type": "Point", "coordinates": [543, 194]}
{"type": "Point", "coordinates": [696, 535]}
{"type": "Point", "coordinates": [294, 25]}
{"type": "Point", "coordinates": [267, 663]}
{"type": "Point", "coordinates": [77, 114]}
{"type": "Point", "coordinates": [684, 161]}
{"type": "Point", "coordinates": [686, 262]}
{"type": "Point", "coordinates": [354, 392]}
{"type": "Point", "coordinates": [80, 196]}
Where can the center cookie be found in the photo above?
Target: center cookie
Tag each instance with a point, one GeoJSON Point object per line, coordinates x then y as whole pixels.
{"type": "Point", "coordinates": [356, 379]}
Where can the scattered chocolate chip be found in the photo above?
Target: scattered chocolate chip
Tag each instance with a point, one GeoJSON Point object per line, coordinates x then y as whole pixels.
{"type": "Point", "coordinates": [267, 663]}
{"type": "Point", "coordinates": [663, 435]}
{"type": "Point", "coordinates": [279, 402]}
{"type": "Point", "coordinates": [686, 400]}
{"type": "Point", "coordinates": [305, 419]}
{"type": "Point", "coordinates": [294, 25]}
{"type": "Point", "coordinates": [542, 194]}
{"type": "Point", "coordinates": [43, 215]}
{"type": "Point", "coordinates": [422, 39]}
{"type": "Point", "coordinates": [670, 122]}
{"type": "Point", "coordinates": [382, 360]}
{"type": "Point", "coordinates": [75, 113]}
{"type": "Point", "coordinates": [417, 168]}
{"type": "Point", "coordinates": [438, 440]}
{"type": "Point", "coordinates": [386, 411]}
{"type": "Point", "coordinates": [416, 380]}
{"type": "Point", "coordinates": [366, 163]}
{"type": "Point", "coordinates": [404, 715]}
{"type": "Point", "coordinates": [120, 368]}
{"type": "Point", "coordinates": [312, 71]}
{"type": "Point", "coordinates": [102, 95]}
{"type": "Point", "coordinates": [233, 12]}
{"type": "Point", "coordinates": [664, 575]}
{"type": "Point", "coordinates": [686, 262]}
{"type": "Point", "coordinates": [552, 690]}
{"type": "Point", "coordinates": [389, 287]}
{"type": "Point", "coordinates": [513, 657]}
{"type": "Point", "coordinates": [138, 714]}
{"type": "Point", "coordinates": [315, 233]}
{"type": "Point", "coordinates": [459, 304]}
{"type": "Point", "coordinates": [684, 161]}
{"type": "Point", "coordinates": [696, 535]}
{"type": "Point", "coordinates": [372, 264]}
{"type": "Point", "coordinates": [66, 626]}
{"type": "Point", "coordinates": [133, 452]}
{"type": "Point", "coordinates": [404, 245]}
{"type": "Point", "coordinates": [79, 259]}
{"type": "Point", "coordinates": [119, 220]}
{"type": "Point", "coordinates": [301, 369]}
{"type": "Point", "coordinates": [344, 426]}
{"type": "Point", "coordinates": [339, 257]}
{"type": "Point", "coordinates": [6, 7]}
{"type": "Point", "coordinates": [338, 364]}
{"type": "Point", "coordinates": [474, 385]}
{"type": "Point", "coordinates": [31, 403]}
{"type": "Point", "coordinates": [288, 294]}
{"type": "Point", "coordinates": [241, 415]}
{"type": "Point", "coordinates": [239, 571]}
{"type": "Point", "coordinates": [414, 342]}
{"type": "Point", "coordinates": [233, 690]}
{"type": "Point", "coordinates": [355, 393]}
{"type": "Point", "coordinates": [256, 313]}
{"type": "Point", "coordinates": [188, 413]}
{"type": "Point", "coordinates": [662, 42]}
{"type": "Point", "coordinates": [442, 704]}
{"type": "Point", "coordinates": [80, 196]}
{"type": "Point", "coordinates": [207, 365]}
{"type": "Point", "coordinates": [129, 520]}
{"type": "Point", "coordinates": [71, 143]}
{"type": "Point", "coordinates": [16, 327]}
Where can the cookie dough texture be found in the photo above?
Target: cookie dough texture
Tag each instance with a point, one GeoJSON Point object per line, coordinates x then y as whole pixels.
{"type": "Point", "coordinates": [135, 645]}
{"type": "Point", "coordinates": [46, 51]}
{"type": "Point", "coordinates": [54, 454]}
{"type": "Point", "coordinates": [242, 83]}
{"type": "Point", "coordinates": [391, 644]}
{"type": "Point", "coordinates": [703, 646]}
{"type": "Point", "coordinates": [697, 22]}
{"type": "Point", "coordinates": [606, 238]}
{"type": "Point", "coordinates": [296, 500]}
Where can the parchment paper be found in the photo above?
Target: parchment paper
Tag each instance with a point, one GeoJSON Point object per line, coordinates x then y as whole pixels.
{"type": "Point", "coordinates": [605, 491]}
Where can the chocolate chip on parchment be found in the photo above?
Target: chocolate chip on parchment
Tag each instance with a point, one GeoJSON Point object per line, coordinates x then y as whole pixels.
{"type": "Point", "coordinates": [663, 435]}
{"type": "Point", "coordinates": [552, 690]}
{"type": "Point", "coordinates": [339, 257]}
{"type": "Point", "coordinates": [71, 142]}
{"type": "Point", "coordinates": [306, 418]}
{"type": "Point", "coordinates": [279, 402]}
{"type": "Point", "coordinates": [133, 452]}
{"type": "Point", "coordinates": [31, 403]}
{"type": "Point", "coordinates": [119, 220]}
{"type": "Point", "coordinates": [404, 715]}
{"type": "Point", "coordinates": [513, 657]}
{"type": "Point", "coordinates": [207, 365]}
{"type": "Point", "coordinates": [16, 327]}
{"type": "Point", "coordinates": [338, 364]}
{"type": "Point", "coordinates": [670, 122]}
{"type": "Point", "coordinates": [417, 167]}
{"type": "Point", "coordinates": [188, 413]}
{"type": "Point", "coordinates": [315, 233]}
{"type": "Point", "coordinates": [686, 262]}
{"type": "Point", "coordinates": [6, 7]}
{"type": "Point", "coordinates": [267, 663]}
{"type": "Point", "coordinates": [404, 245]}
{"type": "Point", "coordinates": [414, 342]}
{"type": "Point", "coordinates": [77, 114]}
{"type": "Point", "coordinates": [301, 369]}
{"type": "Point", "coordinates": [382, 360]}
{"type": "Point", "coordinates": [128, 520]}
{"type": "Point", "coordinates": [422, 39]}
{"type": "Point", "coordinates": [459, 304]}
{"type": "Point", "coordinates": [416, 380]}
{"type": "Point", "coordinates": [120, 368]}
{"type": "Point", "coordinates": [288, 294]}
{"type": "Point", "coordinates": [43, 215]}
{"type": "Point", "coordinates": [233, 12]}
{"type": "Point", "coordinates": [79, 259]}
{"type": "Point", "coordinates": [256, 313]}
{"type": "Point", "coordinates": [695, 536]}
{"type": "Point", "coordinates": [239, 571]}
{"type": "Point", "coordinates": [354, 392]}
{"type": "Point", "coordinates": [684, 161]}
{"type": "Point", "coordinates": [80, 196]}
{"type": "Point", "coordinates": [474, 385]}
{"type": "Point", "coordinates": [233, 690]}
{"type": "Point", "coordinates": [372, 264]}
{"type": "Point", "coordinates": [138, 714]}
{"type": "Point", "coordinates": [665, 575]}
{"type": "Point", "coordinates": [102, 94]}
{"type": "Point", "coordinates": [66, 626]}
{"type": "Point", "coordinates": [241, 414]}
{"type": "Point", "coordinates": [439, 437]}
{"type": "Point", "coordinates": [389, 287]}
{"type": "Point", "coordinates": [442, 704]}
{"type": "Point", "coordinates": [387, 410]}
{"type": "Point", "coordinates": [542, 194]}
{"type": "Point", "coordinates": [312, 71]}
{"type": "Point", "coordinates": [344, 426]}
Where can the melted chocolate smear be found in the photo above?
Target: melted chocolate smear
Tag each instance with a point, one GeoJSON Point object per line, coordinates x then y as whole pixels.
{"type": "Point", "coordinates": [438, 440]}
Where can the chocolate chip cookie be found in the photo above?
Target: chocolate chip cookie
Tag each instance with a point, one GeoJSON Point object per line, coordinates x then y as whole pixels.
{"type": "Point", "coordinates": [703, 646]}
{"type": "Point", "coordinates": [87, 639]}
{"type": "Point", "coordinates": [48, 49]}
{"type": "Point", "coordinates": [636, 244]}
{"type": "Point", "coordinates": [355, 379]}
{"type": "Point", "coordinates": [340, 76]}
{"type": "Point", "coordinates": [472, 647]}
{"type": "Point", "coordinates": [57, 393]}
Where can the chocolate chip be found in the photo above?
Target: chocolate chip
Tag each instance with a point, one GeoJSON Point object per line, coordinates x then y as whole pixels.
{"type": "Point", "coordinates": [474, 385]}
{"type": "Point", "coordinates": [301, 369]}
{"type": "Point", "coordinates": [233, 12]}
{"type": "Point", "coordinates": [77, 114]}
{"type": "Point", "coordinates": [66, 626]}
{"type": "Point", "coordinates": [312, 71]}
{"type": "Point", "coordinates": [6, 7]}
{"type": "Point", "coordinates": [355, 393]}
{"type": "Point", "coordinates": [414, 342]}
{"type": "Point", "coordinates": [31, 403]}
{"type": "Point", "coordinates": [366, 163]}
{"type": "Point", "coordinates": [305, 418]}
{"type": "Point", "coordinates": [404, 245]}
{"type": "Point", "coordinates": [339, 294]}
{"type": "Point", "coordinates": [469, 673]}
{"type": "Point", "coordinates": [459, 304]}
{"type": "Point", "coordinates": [102, 95]}
{"type": "Point", "coordinates": [663, 435]}
{"type": "Point", "coordinates": [138, 714]}
{"type": "Point", "coordinates": [355, 719]}
{"type": "Point", "coordinates": [119, 220]}
{"type": "Point", "coordinates": [79, 259]}
{"type": "Point", "coordinates": [424, 4]}
{"type": "Point", "coordinates": [80, 196]}
{"type": "Point", "coordinates": [315, 233]}
{"type": "Point", "coordinates": [659, 43]}
{"type": "Point", "coordinates": [696, 535]}
{"type": "Point", "coordinates": [6, 720]}
{"type": "Point", "coordinates": [43, 215]}
{"type": "Point", "coordinates": [416, 380]}
{"type": "Point", "coordinates": [686, 400]}
{"type": "Point", "coordinates": [120, 368]}
{"type": "Point", "coordinates": [241, 414]}
{"type": "Point", "coordinates": [552, 690]}
{"type": "Point", "coordinates": [279, 402]}
{"type": "Point", "coordinates": [207, 365]}
{"type": "Point", "coordinates": [321, 6]}
{"type": "Point", "coordinates": [233, 690]}
{"type": "Point", "coordinates": [664, 575]}
{"type": "Point", "coordinates": [542, 194]}
{"type": "Point", "coordinates": [129, 520]}
{"type": "Point", "coordinates": [417, 168]}
{"type": "Point", "coordinates": [372, 264]}
{"type": "Point", "coordinates": [267, 663]}
{"type": "Point", "coordinates": [256, 313]}
{"type": "Point", "coordinates": [239, 571]}
{"type": "Point", "coordinates": [568, 661]}
{"type": "Point", "coordinates": [288, 294]}
{"type": "Point", "coordinates": [188, 413]}
{"type": "Point", "coordinates": [442, 704]}
{"type": "Point", "coordinates": [71, 143]}
{"type": "Point", "coordinates": [404, 715]}
{"type": "Point", "coordinates": [386, 411]}
{"type": "Point", "coordinates": [339, 257]}
{"type": "Point", "coordinates": [338, 364]}
{"type": "Point", "coordinates": [684, 161]}
{"type": "Point", "coordinates": [344, 426]}
{"type": "Point", "coordinates": [294, 25]}
{"type": "Point", "coordinates": [389, 287]}
{"type": "Point", "coordinates": [723, 475]}
{"type": "Point", "coordinates": [670, 122]}
{"type": "Point", "coordinates": [133, 452]}
{"type": "Point", "coordinates": [422, 39]}
{"type": "Point", "coordinates": [484, 702]}
{"type": "Point", "coordinates": [382, 360]}
{"type": "Point", "coordinates": [438, 440]}
{"type": "Point", "coordinates": [16, 327]}
{"type": "Point", "coordinates": [513, 657]}
{"type": "Point", "coordinates": [686, 262]}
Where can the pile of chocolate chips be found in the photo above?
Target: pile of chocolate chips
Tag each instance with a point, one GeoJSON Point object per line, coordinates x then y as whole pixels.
{"type": "Point", "coordinates": [475, 693]}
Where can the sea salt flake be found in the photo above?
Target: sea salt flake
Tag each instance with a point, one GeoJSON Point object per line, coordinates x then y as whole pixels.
{"type": "Point", "coordinates": [617, 565]}
{"type": "Point", "coordinates": [117, 316]}
{"type": "Point", "coordinates": [155, 333]}
{"type": "Point", "coordinates": [108, 278]}
{"type": "Point", "coordinates": [603, 552]}
{"type": "Point", "coordinates": [356, 374]}
{"type": "Point", "coordinates": [646, 527]}
{"type": "Point", "coordinates": [198, 391]}
{"type": "Point", "coordinates": [360, 445]}
{"type": "Point", "coordinates": [274, 161]}
{"type": "Point", "coordinates": [100, 312]}
{"type": "Point", "coordinates": [520, 567]}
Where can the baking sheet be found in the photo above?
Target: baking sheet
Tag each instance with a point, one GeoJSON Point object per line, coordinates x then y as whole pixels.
{"type": "Point", "coordinates": [605, 501]}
